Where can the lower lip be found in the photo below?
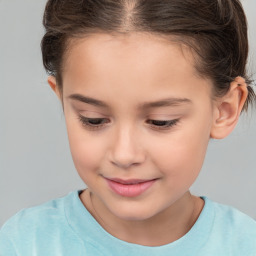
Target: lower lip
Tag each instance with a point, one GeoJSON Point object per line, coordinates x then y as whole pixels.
{"type": "Point", "coordinates": [131, 190]}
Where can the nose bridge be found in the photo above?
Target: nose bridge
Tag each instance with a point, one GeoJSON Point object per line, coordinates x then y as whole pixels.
{"type": "Point", "coordinates": [126, 150]}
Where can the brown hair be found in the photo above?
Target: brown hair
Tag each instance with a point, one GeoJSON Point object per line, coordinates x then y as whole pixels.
{"type": "Point", "coordinates": [215, 29]}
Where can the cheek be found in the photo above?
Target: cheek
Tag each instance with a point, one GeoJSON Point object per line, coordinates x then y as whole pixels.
{"type": "Point", "coordinates": [181, 157]}
{"type": "Point", "coordinates": [86, 150]}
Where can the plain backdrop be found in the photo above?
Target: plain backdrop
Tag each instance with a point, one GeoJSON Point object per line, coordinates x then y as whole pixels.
{"type": "Point", "coordinates": [35, 161]}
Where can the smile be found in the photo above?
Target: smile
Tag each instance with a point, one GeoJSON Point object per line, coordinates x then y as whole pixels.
{"type": "Point", "coordinates": [129, 188]}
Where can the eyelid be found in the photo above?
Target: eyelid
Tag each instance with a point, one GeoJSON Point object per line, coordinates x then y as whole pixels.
{"type": "Point", "coordinates": [94, 114]}
{"type": "Point", "coordinates": [81, 109]}
{"type": "Point", "coordinates": [164, 117]}
{"type": "Point", "coordinates": [170, 124]}
{"type": "Point", "coordinates": [86, 123]}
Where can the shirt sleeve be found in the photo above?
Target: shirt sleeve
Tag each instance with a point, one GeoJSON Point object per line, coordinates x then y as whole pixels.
{"type": "Point", "coordinates": [6, 246]}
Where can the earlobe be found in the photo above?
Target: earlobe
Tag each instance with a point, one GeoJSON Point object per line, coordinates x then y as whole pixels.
{"type": "Point", "coordinates": [228, 109]}
{"type": "Point", "coordinates": [53, 84]}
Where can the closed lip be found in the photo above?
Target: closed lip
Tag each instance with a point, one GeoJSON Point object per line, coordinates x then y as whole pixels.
{"type": "Point", "coordinates": [129, 181]}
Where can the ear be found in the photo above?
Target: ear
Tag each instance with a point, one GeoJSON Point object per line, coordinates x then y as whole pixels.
{"type": "Point", "coordinates": [52, 82]}
{"type": "Point", "coordinates": [228, 109]}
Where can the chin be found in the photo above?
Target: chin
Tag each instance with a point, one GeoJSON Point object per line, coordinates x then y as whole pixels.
{"type": "Point", "coordinates": [133, 213]}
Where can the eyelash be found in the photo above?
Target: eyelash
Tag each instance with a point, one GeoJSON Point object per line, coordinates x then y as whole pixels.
{"type": "Point", "coordinates": [86, 122]}
{"type": "Point", "coordinates": [167, 124]}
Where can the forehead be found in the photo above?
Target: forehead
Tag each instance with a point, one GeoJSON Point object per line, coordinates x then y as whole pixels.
{"type": "Point", "coordinates": [139, 48]}
{"type": "Point", "coordinates": [136, 61]}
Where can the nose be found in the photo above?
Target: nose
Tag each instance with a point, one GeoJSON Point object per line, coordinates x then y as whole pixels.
{"type": "Point", "coordinates": [126, 150]}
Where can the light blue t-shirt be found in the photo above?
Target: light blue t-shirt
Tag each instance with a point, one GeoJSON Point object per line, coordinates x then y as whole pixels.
{"type": "Point", "coordinates": [65, 227]}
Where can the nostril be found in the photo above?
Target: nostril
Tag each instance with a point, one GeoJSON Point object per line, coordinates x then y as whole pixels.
{"type": "Point", "coordinates": [122, 165]}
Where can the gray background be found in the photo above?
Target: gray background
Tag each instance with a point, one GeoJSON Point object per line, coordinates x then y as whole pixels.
{"type": "Point", "coordinates": [35, 161]}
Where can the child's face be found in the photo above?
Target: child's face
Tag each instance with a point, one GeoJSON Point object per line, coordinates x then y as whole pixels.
{"type": "Point", "coordinates": [127, 73]}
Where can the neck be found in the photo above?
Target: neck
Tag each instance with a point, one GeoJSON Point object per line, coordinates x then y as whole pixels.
{"type": "Point", "coordinates": [163, 228]}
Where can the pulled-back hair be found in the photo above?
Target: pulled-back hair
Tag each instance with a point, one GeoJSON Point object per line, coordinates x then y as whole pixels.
{"type": "Point", "coordinates": [216, 30]}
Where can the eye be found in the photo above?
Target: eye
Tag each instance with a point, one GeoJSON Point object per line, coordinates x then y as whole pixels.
{"type": "Point", "coordinates": [162, 124]}
{"type": "Point", "coordinates": [92, 123]}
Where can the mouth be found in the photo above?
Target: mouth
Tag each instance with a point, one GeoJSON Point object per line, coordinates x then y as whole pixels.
{"type": "Point", "coordinates": [131, 187]}
{"type": "Point", "coordinates": [129, 182]}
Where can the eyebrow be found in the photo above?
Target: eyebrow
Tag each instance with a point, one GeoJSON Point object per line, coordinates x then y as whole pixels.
{"type": "Point", "coordinates": [88, 100]}
{"type": "Point", "coordinates": [146, 105]}
{"type": "Point", "coordinates": [169, 102]}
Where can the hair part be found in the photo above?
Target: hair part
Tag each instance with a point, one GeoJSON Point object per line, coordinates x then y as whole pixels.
{"type": "Point", "coordinates": [216, 30]}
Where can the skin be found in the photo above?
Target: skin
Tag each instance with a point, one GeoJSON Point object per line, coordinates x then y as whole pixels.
{"type": "Point", "coordinates": [125, 72]}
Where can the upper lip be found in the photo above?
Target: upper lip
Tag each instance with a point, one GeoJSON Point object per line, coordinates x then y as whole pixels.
{"type": "Point", "coordinates": [129, 181]}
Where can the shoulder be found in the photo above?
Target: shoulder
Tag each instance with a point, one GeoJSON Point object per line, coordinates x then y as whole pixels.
{"type": "Point", "coordinates": [41, 228]}
{"type": "Point", "coordinates": [43, 218]}
{"type": "Point", "coordinates": [43, 213]}
{"type": "Point", "coordinates": [234, 228]}
{"type": "Point", "coordinates": [232, 218]}
{"type": "Point", "coordinates": [44, 229]}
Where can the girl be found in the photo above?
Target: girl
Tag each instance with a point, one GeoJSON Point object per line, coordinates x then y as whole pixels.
{"type": "Point", "coordinates": [144, 86]}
